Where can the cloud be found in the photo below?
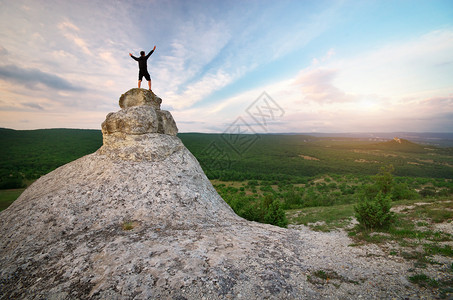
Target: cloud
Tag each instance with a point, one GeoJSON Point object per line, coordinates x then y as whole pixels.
{"type": "Point", "coordinates": [213, 59]}
{"type": "Point", "coordinates": [70, 31]}
{"type": "Point", "coordinates": [316, 85]}
{"type": "Point", "coordinates": [33, 105]}
{"type": "Point", "coordinates": [3, 51]}
{"type": "Point", "coordinates": [184, 68]}
{"type": "Point", "coordinates": [446, 102]}
{"type": "Point", "coordinates": [20, 75]}
{"type": "Point", "coordinates": [210, 52]}
{"type": "Point", "coordinates": [401, 68]}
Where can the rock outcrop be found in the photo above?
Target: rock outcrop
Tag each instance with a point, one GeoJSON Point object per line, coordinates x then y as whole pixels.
{"type": "Point", "coordinates": [138, 219]}
{"type": "Point", "coordinates": [141, 131]}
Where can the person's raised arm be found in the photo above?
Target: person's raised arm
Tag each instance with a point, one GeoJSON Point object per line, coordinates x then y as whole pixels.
{"type": "Point", "coordinates": [151, 52]}
{"type": "Point", "coordinates": [130, 54]}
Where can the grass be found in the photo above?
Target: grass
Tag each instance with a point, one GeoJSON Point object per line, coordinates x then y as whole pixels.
{"type": "Point", "coordinates": [128, 225]}
{"type": "Point", "coordinates": [414, 237]}
{"type": "Point", "coordinates": [322, 218]}
{"type": "Point", "coordinates": [423, 280]}
{"type": "Point", "coordinates": [438, 211]}
{"type": "Point", "coordinates": [433, 249]}
{"type": "Point", "coordinates": [8, 196]}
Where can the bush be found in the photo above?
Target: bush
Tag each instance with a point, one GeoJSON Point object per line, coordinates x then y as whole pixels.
{"type": "Point", "coordinates": [402, 191]}
{"type": "Point", "coordinates": [374, 213]}
{"type": "Point", "coordinates": [292, 199]}
{"type": "Point", "coordinates": [275, 215]}
{"type": "Point", "coordinates": [428, 191]}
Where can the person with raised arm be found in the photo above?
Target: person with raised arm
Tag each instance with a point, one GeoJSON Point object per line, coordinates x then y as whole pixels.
{"type": "Point", "coordinates": [143, 67]}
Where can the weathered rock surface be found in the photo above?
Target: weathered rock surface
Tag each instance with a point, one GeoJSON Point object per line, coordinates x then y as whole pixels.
{"type": "Point", "coordinates": [139, 97]}
{"type": "Point", "coordinates": [133, 120]}
{"type": "Point", "coordinates": [141, 114]}
{"type": "Point", "coordinates": [138, 219]}
{"type": "Point", "coordinates": [141, 130]}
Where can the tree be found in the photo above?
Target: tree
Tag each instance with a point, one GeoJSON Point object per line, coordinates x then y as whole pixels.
{"type": "Point", "coordinates": [383, 183]}
{"type": "Point", "coordinates": [384, 179]}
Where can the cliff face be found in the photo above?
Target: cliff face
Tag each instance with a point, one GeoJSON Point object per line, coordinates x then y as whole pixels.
{"type": "Point", "coordinates": [138, 219]}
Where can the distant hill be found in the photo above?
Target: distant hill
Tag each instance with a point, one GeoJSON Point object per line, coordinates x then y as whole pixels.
{"type": "Point", "coordinates": [401, 145]}
{"type": "Point", "coordinates": [441, 139]}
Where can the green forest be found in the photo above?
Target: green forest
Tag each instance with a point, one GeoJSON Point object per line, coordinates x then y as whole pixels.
{"type": "Point", "coordinates": [28, 154]}
{"type": "Point", "coordinates": [295, 157]}
{"type": "Point", "coordinates": [260, 176]}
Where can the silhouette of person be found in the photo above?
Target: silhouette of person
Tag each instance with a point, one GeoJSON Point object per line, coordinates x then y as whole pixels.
{"type": "Point", "coordinates": [143, 67]}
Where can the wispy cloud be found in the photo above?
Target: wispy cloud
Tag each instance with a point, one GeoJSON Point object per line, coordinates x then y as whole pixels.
{"type": "Point", "coordinates": [35, 77]}
{"type": "Point", "coordinates": [184, 70]}
{"type": "Point", "coordinates": [3, 51]}
{"type": "Point", "coordinates": [317, 85]}
{"type": "Point", "coordinates": [70, 31]}
{"type": "Point", "coordinates": [215, 57]}
{"type": "Point", "coordinates": [33, 105]}
{"type": "Point", "coordinates": [325, 97]}
{"type": "Point", "coordinates": [213, 52]}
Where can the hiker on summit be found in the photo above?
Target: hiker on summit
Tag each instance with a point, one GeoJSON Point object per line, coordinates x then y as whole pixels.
{"type": "Point", "coordinates": [143, 67]}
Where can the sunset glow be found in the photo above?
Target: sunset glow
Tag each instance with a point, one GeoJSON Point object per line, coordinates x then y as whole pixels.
{"type": "Point", "coordinates": [332, 66]}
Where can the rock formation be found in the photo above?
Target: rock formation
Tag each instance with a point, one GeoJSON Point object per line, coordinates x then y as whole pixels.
{"type": "Point", "coordinates": [138, 219]}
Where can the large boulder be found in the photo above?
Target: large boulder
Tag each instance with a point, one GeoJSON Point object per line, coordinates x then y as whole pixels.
{"type": "Point", "coordinates": [139, 97]}
{"type": "Point", "coordinates": [141, 130]}
{"type": "Point", "coordinates": [140, 114]}
{"type": "Point", "coordinates": [134, 120]}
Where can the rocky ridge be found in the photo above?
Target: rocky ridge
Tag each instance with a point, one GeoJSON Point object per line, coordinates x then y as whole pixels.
{"type": "Point", "coordinates": [138, 219]}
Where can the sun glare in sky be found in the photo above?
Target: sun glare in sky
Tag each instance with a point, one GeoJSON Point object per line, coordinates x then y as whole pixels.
{"type": "Point", "coordinates": [331, 66]}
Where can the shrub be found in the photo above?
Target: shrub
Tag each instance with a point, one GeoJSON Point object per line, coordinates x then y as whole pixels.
{"type": "Point", "coordinates": [292, 199]}
{"type": "Point", "coordinates": [402, 191]}
{"type": "Point", "coordinates": [252, 183]}
{"type": "Point", "coordinates": [374, 213]}
{"type": "Point", "coordinates": [428, 191]}
{"type": "Point", "coordinates": [275, 215]}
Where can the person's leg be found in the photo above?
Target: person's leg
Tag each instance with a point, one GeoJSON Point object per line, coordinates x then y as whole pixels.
{"type": "Point", "coordinates": [140, 77]}
{"type": "Point", "coordinates": [147, 77]}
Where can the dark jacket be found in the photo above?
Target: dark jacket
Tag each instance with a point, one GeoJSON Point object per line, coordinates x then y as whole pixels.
{"type": "Point", "coordinates": [142, 65]}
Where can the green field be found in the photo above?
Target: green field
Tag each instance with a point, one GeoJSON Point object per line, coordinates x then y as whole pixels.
{"type": "Point", "coordinates": [8, 196]}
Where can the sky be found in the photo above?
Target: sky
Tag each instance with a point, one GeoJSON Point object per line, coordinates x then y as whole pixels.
{"type": "Point", "coordinates": [232, 66]}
